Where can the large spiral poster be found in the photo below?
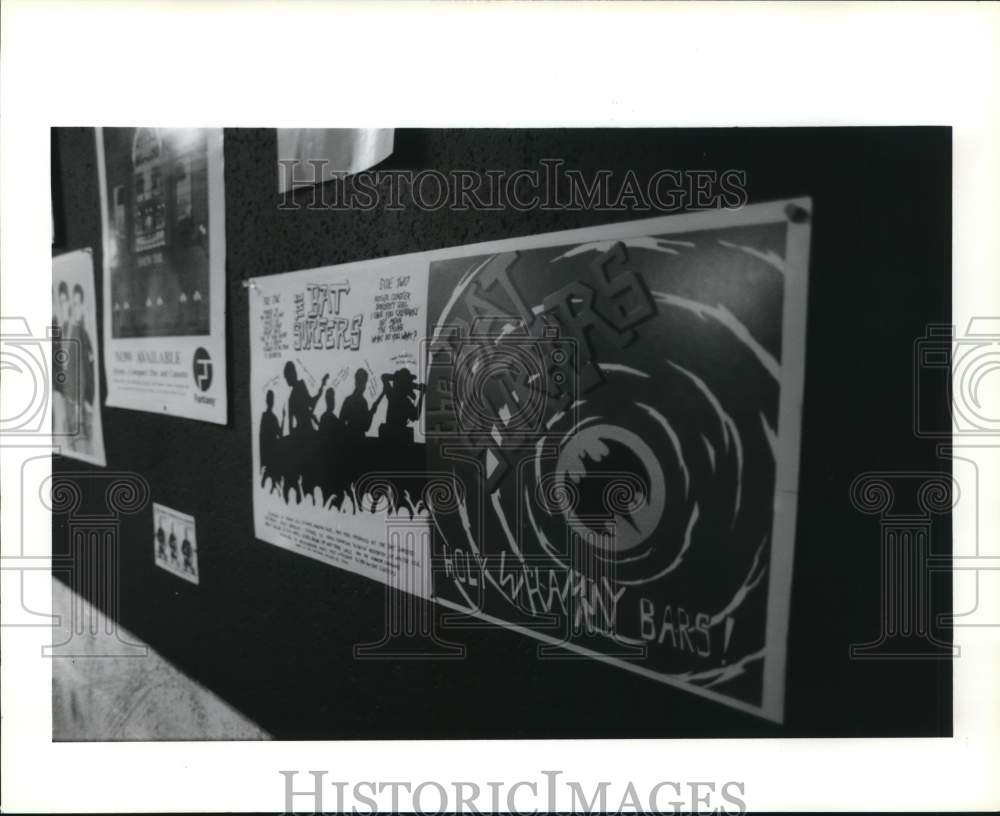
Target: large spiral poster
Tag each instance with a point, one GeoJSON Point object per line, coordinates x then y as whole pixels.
{"type": "Point", "coordinates": [591, 436]}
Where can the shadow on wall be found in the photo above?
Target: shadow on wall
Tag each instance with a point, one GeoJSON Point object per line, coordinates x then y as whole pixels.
{"type": "Point", "coordinates": [112, 691]}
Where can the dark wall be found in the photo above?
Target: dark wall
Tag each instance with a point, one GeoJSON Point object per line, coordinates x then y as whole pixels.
{"type": "Point", "coordinates": [273, 632]}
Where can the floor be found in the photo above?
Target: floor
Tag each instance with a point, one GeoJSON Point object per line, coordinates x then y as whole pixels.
{"type": "Point", "coordinates": [108, 685]}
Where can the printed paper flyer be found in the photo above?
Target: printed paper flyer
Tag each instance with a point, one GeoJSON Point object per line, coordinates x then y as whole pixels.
{"type": "Point", "coordinates": [164, 270]}
{"type": "Point", "coordinates": [339, 461]}
{"type": "Point", "coordinates": [606, 422]}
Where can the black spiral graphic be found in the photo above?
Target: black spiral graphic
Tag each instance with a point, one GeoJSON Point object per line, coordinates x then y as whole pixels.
{"type": "Point", "coordinates": [649, 482]}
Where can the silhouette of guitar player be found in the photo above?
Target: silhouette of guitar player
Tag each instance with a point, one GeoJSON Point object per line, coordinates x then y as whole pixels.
{"type": "Point", "coordinates": [300, 403]}
{"type": "Point", "coordinates": [399, 390]}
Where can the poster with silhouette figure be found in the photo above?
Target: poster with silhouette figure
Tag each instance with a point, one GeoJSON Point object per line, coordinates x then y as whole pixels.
{"type": "Point", "coordinates": [77, 429]}
{"type": "Point", "coordinates": [163, 223]}
{"type": "Point", "coordinates": [338, 446]}
{"type": "Point", "coordinates": [607, 423]}
{"type": "Point", "coordinates": [619, 411]}
{"type": "Point", "coordinates": [175, 545]}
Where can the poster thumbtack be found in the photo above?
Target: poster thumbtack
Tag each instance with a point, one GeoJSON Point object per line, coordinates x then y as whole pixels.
{"type": "Point", "coordinates": [797, 214]}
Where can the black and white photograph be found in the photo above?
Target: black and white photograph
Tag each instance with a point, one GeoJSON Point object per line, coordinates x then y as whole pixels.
{"type": "Point", "coordinates": [157, 181]}
{"type": "Point", "coordinates": [175, 543]}
{"type": "Point", "coordinates": [499, 407]}
{"type": "Point", "coordinates": [164, 269]}
{"type": "Point", "coordinates": [76, 405]}
{"type": "Point", "coordinates": [598, 431]}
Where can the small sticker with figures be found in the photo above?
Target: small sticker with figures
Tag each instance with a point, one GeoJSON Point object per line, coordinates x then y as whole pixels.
{"type": "Point", "coordinates": [175, 547]}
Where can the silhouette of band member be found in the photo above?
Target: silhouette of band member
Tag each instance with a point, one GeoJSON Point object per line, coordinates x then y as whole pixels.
{"type": "Point", "coordinates": [302, 425]}
{"type": "Point", "coordinates": [270, 433]}
{"type": "Point", "coordinates": [300, 404]}
{"type": "Point", "coordinates": [331, 453]}
{"type": "Point", "coordinates": [355, 413]}
{"type": "Point", "coordinates": [330, 425]}
{"type": "Point", "coordinates": [400, 389]}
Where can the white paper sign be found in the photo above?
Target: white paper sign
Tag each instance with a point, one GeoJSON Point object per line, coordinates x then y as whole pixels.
{"type": "Point", "coordinates": [163, 219]}
{"type": "Point", "coordinates": [339, 467]}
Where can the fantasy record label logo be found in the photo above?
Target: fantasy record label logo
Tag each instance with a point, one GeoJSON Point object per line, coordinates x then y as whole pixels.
{"type": "Point", "coordinates": [202, 369]}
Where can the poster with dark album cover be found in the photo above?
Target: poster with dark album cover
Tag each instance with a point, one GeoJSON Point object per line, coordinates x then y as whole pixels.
{"type": "Point", "coordinates": [590, 437]}
{"type": "Point", "coordinates": [163, 221]}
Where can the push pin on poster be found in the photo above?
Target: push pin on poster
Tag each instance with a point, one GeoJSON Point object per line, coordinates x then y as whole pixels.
{"type": "Point", "coordinates": [175, 547]}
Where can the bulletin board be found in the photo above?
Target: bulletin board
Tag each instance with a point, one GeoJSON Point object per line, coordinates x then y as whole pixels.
{"type": "Point", "coordinates": [275, 634]}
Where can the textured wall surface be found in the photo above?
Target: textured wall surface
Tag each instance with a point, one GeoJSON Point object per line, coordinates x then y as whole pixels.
{"type": "Point", "coordinates": [272, 633]}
